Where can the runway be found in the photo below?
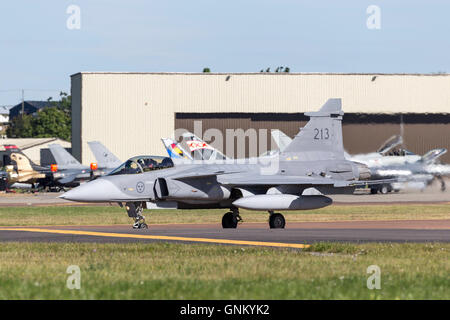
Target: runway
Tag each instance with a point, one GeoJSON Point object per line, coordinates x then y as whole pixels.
{"type": "Point", "coordinates": [296, 234]}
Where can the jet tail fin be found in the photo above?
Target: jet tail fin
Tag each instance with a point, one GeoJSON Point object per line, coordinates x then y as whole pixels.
{"type": "Point", "coordinates": [321, 137]}
{"type": "Point", "coordinates": [201, 150]}
{"type": "Point", "coordinates": [174, 149]}
{"type": "Point", "coordinates": [63, 159]}
{"type": "Point", "coordinates": [14, 155]}
{"type": "Point", "coordinates": [281, 139]}
{"type": "Point", "coordinates": [105, 158]}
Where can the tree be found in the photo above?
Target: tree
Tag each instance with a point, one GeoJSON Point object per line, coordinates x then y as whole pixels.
{"type": "Point", "coordinates": [52, 122]}
{"type": "Point", "coordinates": [206, 70]}
{"type": "Point", "coordinates": [21, 127]}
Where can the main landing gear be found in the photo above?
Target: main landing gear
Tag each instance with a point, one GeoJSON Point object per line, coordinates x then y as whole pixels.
{"type": "Point", "coordinates": [276, 220]}
{"type": "Point", "coordinates": [134, 210]}
{"type": "Point", "coordinates": [231, 219]}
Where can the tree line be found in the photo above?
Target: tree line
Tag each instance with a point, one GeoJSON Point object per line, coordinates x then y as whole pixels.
{"type": "Point", "coordinates": [52, 121]}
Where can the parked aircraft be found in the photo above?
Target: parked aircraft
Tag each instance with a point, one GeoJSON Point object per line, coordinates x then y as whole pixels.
{"type": "Point", "coordinates": [396, 163]}
{"type": "Point", "coordinates": [69, 170]}
{"type": "Point", "coordinates": [21, 170]}
{"type": "Point", "coordinates": [315, 158]}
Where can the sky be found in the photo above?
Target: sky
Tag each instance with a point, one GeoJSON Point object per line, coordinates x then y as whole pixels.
{"type": "Point", "coordinates": [38, 52]}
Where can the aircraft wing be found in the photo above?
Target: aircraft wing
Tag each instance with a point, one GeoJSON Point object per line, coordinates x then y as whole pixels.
{"type": "Point", "coordinates": [197, 174]}
{"type": "Point", "coordinates": [277, 180]}
{"type": "Point", "coordinates": [68, 179]}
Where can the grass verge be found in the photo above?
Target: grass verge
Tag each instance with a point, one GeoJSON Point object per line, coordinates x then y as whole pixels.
{"type": "Point", "coordinates": [181, 271]}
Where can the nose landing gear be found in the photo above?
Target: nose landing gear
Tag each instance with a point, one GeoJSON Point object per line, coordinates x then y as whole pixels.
{"type": "Point", "coordinates": [134, 210]}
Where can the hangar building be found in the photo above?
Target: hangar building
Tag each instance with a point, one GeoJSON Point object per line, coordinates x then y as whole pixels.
{"type": "Point", "coordinates": [130, 112]}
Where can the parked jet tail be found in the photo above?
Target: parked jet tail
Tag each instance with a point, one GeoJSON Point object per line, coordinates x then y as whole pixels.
{"type": "Point", "coordinates": [63, 158]}
{"type": "Point", "coordinates": [105, 158]}
{"type": "Point", "coordinates": [281, 139]}
{"type": "Point", "coordinates": [321, 138]}
{"type": "Point", "coordinates": [174, 149]}
{"type": "Point", "coordinates": [201, 150]}
{"type": "Point", "coordinates": [14, 155]}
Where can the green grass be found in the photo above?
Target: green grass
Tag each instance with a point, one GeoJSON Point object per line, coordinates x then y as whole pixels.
{"type": "Point", "coordinates": [182, 271]}
{"type": "Point", "coordinates": [98, 215]}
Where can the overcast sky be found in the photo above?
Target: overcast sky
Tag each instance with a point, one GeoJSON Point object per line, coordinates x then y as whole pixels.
{"type": "Point", "coordinates": [39, 52]}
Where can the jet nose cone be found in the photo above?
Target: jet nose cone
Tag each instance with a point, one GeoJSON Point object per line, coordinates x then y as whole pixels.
{"type": "Point", "coordinates": [99, 190]}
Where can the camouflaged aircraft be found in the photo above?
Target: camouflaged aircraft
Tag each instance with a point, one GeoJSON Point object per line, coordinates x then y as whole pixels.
{"type": "Point", "coordinates": [314, 158]}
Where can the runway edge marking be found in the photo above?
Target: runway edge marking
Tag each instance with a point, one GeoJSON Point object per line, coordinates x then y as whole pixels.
{"type": "Point", "coordinates": [153, 237]}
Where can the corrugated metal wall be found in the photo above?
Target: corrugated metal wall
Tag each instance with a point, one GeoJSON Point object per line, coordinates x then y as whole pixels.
{"type": "Point", "coordinates": [130, 112]}
{"type": "Point", "coordinates": [358, 137]}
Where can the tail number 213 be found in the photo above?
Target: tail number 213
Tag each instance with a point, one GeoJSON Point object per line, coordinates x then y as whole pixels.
{"type": "Point", "coordinates": [321, 134]}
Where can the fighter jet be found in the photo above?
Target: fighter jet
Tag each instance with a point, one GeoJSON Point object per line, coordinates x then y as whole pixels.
{"type": "Point", "coordinates": [315, 158]}
{"type": "Point", "coordinates": [21, 170]}
{"type": "Point", "coordinates": [71, 170]}
{"type": "Point", "coordinates": [390, 162]}
{"type": "Point", "coordinates": [68, 170]}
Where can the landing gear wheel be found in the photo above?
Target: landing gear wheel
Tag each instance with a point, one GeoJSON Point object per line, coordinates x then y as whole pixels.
{"type": "Point", "coordinates": [373, 190]}
{"type": "Point", "coordinates": [134, 210]}
{"type": "Point", "coordinates": [276, 221]}
{"type": "Point", "coordinates": [140, 225]}
{"type": "Point", "coordinates": [385, 189]}
{"type": "Point", "coordinates": [229, 221]}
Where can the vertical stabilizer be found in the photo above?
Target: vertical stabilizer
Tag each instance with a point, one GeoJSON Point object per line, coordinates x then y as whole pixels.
{"type": "Point", "coordinates": [321, 138]}
{"type": "Point", "coordinates": [281, 139]}
{"type": "Point", "coordinates": [105, 158]}
{"type": "Point", "coordinates": [64, 159]}
{"type": "Point", "coordinates": [174, 149]}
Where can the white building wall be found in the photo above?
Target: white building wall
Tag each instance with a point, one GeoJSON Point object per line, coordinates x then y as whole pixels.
{"type": "Point", "coordinates": [130, 112]}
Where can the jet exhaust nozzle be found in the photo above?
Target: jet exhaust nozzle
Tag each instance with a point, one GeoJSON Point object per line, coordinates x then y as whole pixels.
{"type": "Point", "coordinates": [282, 202]}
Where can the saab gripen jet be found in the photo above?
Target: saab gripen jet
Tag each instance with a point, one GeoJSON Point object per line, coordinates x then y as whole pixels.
{"type": "Point", "coordinates": [315, 158]}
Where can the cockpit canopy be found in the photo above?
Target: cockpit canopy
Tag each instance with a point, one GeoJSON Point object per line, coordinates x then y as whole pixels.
{"type": "Point", "coordinates": [140, 164]}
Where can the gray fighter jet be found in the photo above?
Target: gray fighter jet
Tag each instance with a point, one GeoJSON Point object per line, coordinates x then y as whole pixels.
{"type": "Point", "coordinates": [69, 170]}
{"type": "Point", "coordinates": [315, 158]}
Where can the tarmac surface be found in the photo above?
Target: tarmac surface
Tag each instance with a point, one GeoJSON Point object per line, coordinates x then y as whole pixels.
{"type": "Point", "coordinates": [296, 234]}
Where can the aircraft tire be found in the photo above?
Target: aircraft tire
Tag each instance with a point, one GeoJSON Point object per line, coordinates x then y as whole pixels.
{"type": "Point", "coordinates": [277, 221]}
{"type": "Point", "coordinates": [385, 189]}
{"type": "Point", "coordinates": [229, 221]}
